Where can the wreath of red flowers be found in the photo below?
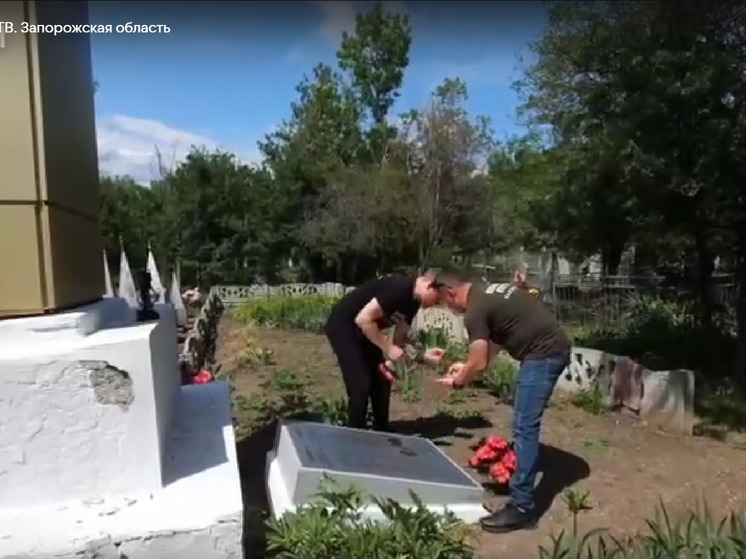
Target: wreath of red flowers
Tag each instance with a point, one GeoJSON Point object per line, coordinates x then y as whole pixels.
{"type": "Point", "coordinates": [495, 456]}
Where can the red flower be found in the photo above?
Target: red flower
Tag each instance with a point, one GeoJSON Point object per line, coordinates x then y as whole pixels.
{"type": "Point", "coordinates": [497, 455]}
{"type": "Point", "coordinates": [203, 377]}
{"type": "Point", "coordinates": [499, 473]}
{"type": "Point", "coordinates": [497, 443]}
{"type": "Point", "coordinates": [509, 460]}
{"type": "Point", "coordinates": [486, 454]}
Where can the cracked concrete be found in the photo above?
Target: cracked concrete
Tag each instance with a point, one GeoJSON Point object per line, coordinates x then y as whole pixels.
{"type": "Point", "coordinates": [111, 386]}
{"type": "Point", "coordinates": [220, 541]}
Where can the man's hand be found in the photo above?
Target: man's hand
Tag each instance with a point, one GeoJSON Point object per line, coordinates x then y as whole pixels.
{"type": "Point", "coordinates": [452, 377]}
{"type": "Point", "coordinates": [455, 369]}
{"type": "Point", "coordinates": [433, 356]}
{"type": "Point", "coordinates": [395, 353]}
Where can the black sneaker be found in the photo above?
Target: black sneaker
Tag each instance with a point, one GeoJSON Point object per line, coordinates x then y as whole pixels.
{"type": "Point", "coordinates": [508, 519]}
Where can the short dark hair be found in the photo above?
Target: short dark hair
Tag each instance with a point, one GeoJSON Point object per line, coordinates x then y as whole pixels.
{"type": "Point", "coordinates": [451, 277]}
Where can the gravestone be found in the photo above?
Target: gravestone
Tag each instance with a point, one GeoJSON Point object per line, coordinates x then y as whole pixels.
{"type": "Point", "coordinates": [668, 400]}
{"type": "Point", "coordinates": [383, 465]}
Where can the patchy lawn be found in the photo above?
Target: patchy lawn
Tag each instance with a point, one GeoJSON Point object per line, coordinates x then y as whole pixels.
{"type": "Point", "coordinates": [627, 468]}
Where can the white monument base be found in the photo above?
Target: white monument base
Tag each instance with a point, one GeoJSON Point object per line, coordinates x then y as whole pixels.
{"type": "Point", "coordinates": [102, 452]}
{"type": "Point", "coordinates": [198, 515]}
{"type": "Point", "coordinates": [382, 465]}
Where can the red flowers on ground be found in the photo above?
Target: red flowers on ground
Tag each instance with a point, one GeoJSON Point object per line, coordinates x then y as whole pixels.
{"type": "Point", "coordinates": [203, 377]}
{"type": "Point", "coordinates": [189, 375]}
{"type": "Point", "coordinates": [495, 456]}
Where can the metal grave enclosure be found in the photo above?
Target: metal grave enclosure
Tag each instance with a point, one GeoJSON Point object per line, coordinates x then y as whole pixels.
{"type": "Point", "coordinates": [383, 465]}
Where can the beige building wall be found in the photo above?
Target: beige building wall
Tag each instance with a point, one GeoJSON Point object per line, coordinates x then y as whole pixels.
{"type": "Point", "coordinates": [50, 237]}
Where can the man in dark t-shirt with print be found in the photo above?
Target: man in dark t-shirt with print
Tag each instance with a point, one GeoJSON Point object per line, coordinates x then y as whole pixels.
{"type": "Point", "coordinates": [508, 316]}
{"type": "Point", "coordinates": [355, 330]}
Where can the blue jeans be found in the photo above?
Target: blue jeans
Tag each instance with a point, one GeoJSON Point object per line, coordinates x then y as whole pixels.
{"type": "Point", "coordinates": [536, 380]}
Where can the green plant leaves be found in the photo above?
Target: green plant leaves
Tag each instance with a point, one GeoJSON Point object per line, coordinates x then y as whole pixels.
{"type": "Point", "coordinates": [332, 527]}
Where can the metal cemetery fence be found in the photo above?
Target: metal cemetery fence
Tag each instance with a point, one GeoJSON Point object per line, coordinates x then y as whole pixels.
{"type": "Point", "coordinates": [576, 300]}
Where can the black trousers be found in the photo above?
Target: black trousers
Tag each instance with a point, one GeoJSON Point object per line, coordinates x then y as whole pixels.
{"type": "Point", "coordinates": [359, 360]}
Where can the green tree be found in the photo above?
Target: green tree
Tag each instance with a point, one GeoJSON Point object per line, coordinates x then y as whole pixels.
{"type": "Point", "coordinates": [524, 176]}
{"type": "Point", "coordinates": [129, 218]}
{"type": "Point", "coordinates": [326, 159]}
{"type": "Point", "coordinates": [220, 219]}
{"type": "Point", "coordinates": [646, 101]}
{"type": "Point", "coordinates": [376, 56]}
{"type": "Point", "coordinates": [322, 136]}
{"type": "Point", "coordinates": [447, 150]}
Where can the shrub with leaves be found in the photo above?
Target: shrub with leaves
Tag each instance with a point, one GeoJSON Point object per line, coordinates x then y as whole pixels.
{"type": "Point", "coordinates": [694, 535]}
{"type": "Point", "coordinates": [332, 411]}
{"type": "Point", "coordinates": [500, 380]}
{"type": "Point", "coordinates": [432, 337]}
{"type": "Point", "coordinates": [293, 312]}
{"type": "Point", "coordinates": [333, 527]}
{"type": "Point", "coordinates": [590, 400]}
{"type": "Point", "coordinates": [657, 332]}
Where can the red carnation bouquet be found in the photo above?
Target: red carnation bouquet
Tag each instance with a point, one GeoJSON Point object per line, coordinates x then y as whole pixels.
{"type": "Point", "coordinates": [495, 455]}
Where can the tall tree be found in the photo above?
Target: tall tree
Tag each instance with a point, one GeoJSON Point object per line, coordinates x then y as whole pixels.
{"type": "Point", "coordinates": [651, 93]}
{"type": "Point", "coordinates": [322, 136]}
{"type": "Point", "coordinates": [376, 56]}
{"type": "Point", "coordinates": [447, 152]}
{"type": "Point", "coordinates": [130, 218]}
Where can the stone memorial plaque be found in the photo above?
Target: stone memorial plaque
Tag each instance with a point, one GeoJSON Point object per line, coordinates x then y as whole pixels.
{"type": "Point", "coordinates": [380, 454]}
{"type": "Point", "coordinates": [381, 464]}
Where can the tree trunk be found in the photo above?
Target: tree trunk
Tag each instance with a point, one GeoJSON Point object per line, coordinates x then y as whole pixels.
{"type": "Point", "coordinates": [611, 257]}
{"type": "Point", "coordinates": [739, 368]}
{"type": "Point", "coordinates": [704, 271]}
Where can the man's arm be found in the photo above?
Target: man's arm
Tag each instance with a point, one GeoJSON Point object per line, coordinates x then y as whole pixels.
{"type": "Point", "coordinates": [476, 362]}
{"type": "Point", "coordinates": [366, 321]}
{"type": "Point", "coordinates": [401, 333]}
{"type": "Point", "coordinates": [479, 355]}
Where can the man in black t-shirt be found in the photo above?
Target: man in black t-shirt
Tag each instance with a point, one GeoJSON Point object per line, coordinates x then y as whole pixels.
{"type": "Point", "coordinates": [507, 316]}
{"type": "Point", "coordinates": [355, 330]}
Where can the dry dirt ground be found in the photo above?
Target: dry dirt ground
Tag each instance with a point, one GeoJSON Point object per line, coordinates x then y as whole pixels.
{"type": "Point", "coordinates": [627, 467]}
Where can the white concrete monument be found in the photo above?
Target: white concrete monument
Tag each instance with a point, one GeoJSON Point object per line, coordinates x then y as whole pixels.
{"type": "Point", "coordinates": [108, 285]}
{"type": "Point", "coordinates": [155, 277]}
{"type": "Point", "coordinates": [101, 449]}
{"type": "Point", "coordinates": [177, 301]}
{"type": "Point", "coordinates": [383, 465]}
{"type": "Point", "coordinates": [126, 289]}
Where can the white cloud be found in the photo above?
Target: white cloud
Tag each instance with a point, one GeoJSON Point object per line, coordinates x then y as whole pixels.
{"type": "Point", "coordinates": [339, 17]}
{"type": "Point", "coordinates": [129, 146]}
{"type": "Point", "coordinates": [499, 70]}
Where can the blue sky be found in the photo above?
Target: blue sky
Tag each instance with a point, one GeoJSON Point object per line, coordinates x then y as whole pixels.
{"type": "Point", "coordinates": [226, 74]}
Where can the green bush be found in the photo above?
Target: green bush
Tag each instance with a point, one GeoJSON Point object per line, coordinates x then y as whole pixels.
{"type": "Point", "coordinates": [433, 337]}
{"type": "Point", "coordinates": [332, 411]}
{"type": "Point", "coordinates": [590, 400]}
{"type": "Point", "coordinates": [695, 535]}
{"type": "Point", "coordinates": [500, 379]}
{"type": "Point", "coordinates": [333, 528]}
{"type": "Point", "coordinates": [301, 313]}
{"type": "Point", "coordinates": [659, 333]}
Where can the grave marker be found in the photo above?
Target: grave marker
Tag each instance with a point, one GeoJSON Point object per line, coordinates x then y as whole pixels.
{"type": "Point", "coordinates": [383, 465]}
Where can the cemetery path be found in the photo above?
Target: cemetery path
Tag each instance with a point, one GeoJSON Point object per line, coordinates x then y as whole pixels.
{"type": "Point", "coordinates": [627, 467]}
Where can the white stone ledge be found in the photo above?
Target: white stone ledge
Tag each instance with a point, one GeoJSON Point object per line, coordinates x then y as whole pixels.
{"type": "Point", "coordinates": [198, 515]}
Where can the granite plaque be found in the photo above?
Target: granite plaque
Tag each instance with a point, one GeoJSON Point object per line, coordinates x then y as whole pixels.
{"type": "Point", "coordinates": [381, 464]}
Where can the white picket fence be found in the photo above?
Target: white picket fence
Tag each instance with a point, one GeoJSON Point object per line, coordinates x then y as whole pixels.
{"type": "Point", "coordinates": [426, 319]}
